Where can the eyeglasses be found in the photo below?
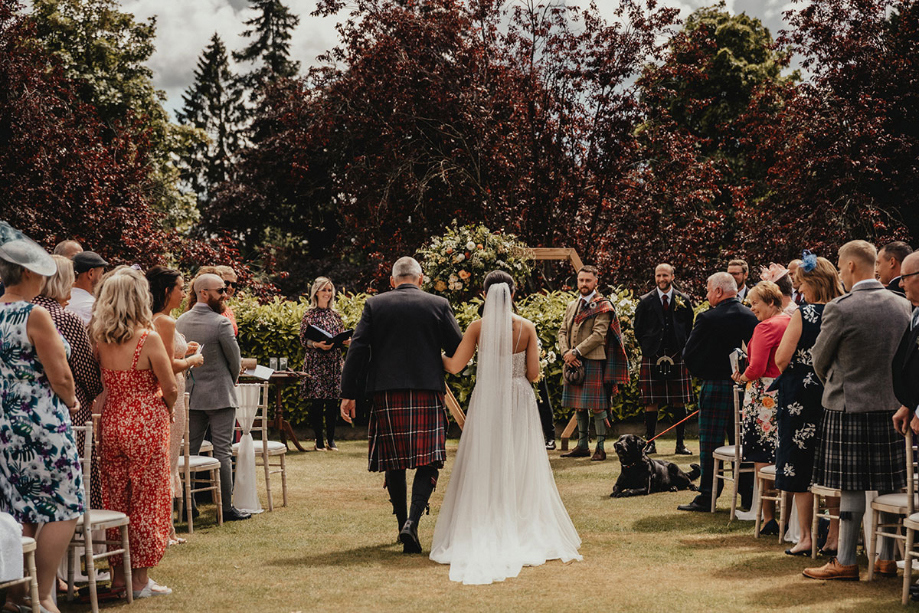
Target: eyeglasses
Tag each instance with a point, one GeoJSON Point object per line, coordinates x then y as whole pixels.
{"type": "Point", "coordinates": [909, 275]}
{"type": "Point", "coordinates": [232, 284]}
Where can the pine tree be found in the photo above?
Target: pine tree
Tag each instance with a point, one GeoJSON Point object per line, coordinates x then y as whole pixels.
{"type": "Point", "coordinates": [213, 104]}
{"type": "Point", "coordinates": [269, 49]}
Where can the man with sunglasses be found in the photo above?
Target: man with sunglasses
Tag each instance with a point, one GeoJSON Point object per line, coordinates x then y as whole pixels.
{"type": "Point", "coordinates": [229, 278]}
{"type": "Point", "coordinates": [213, 385]}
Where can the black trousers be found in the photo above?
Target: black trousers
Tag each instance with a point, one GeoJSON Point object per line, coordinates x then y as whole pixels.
{"type": "Point", "coordinates": [546, 415]}
{"type": "Point", "coordinates": [324, 410]}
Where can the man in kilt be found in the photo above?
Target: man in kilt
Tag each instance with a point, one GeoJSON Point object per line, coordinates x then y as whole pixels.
{"type": "Point", "coordinates": [397, 345]}
{"type": "Point", "coordinates": [590, 336]}
{"type": "Point", "coordinates": [663, 320]}
{"type": "Point", "coordinates": [717, 332]}
{"type": "Point", "coordinates": [860, 448]}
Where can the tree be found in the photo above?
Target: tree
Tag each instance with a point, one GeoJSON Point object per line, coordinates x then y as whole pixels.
{"type": "Point", "coordinates": [104, 52]}
{"type": "Point", "coordinates": [269, 49]}
{"type": "Point", "coordinates": [212, 104]}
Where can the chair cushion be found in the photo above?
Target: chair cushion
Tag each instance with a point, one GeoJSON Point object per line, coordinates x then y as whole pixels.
{"type": "Point", "coordinates": [206, 446]}
{"type": "Point", "coordinates": [28, 544]}
{"type": "Point", "coordinates": [768, 470]}
{"type": "Point", "coordinates": [725, 451]}
{"type": "Point", "coordinates": [898, 501]}
{"type": "Point", "coordinates": [199, 462]}
{"type": "Point", "coordinates": [104, 516]}
{"type": "Point", "coordinates": [274, 447]}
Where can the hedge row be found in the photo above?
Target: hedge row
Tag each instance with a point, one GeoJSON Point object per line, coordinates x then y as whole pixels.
{"type": "Point", "coordinates": [272, 330]}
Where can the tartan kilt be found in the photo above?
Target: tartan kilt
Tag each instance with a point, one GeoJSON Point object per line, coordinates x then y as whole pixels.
{"type": "Point", "coordinates": [716, 414]}
{"type": "Point", "coordinates": [407, 429]}
{"type": "Point", "coordinates": [663, 391]}
{"type": "Point", "coordinates": [860, 452]}
{"type": "Point", "coordinates": [591, 394]}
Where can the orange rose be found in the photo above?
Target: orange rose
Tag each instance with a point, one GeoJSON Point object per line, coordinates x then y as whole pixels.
{"type": "Point", "coordinates": [464, 275]}
{"type": "Point", "coordinates": [768, 402]}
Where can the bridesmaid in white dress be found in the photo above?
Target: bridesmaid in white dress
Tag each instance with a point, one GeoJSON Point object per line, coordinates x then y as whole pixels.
{"type": "Point", "coordinates": [168, 289]}
{"type": "Point", "coordinates": [502, 510]}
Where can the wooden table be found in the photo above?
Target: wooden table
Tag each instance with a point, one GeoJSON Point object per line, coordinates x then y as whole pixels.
{"type": "Point", "coordinates": [280, 379]}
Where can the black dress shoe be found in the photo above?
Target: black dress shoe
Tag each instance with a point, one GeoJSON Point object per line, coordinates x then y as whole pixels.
{"type": "Point", "coordinates": [234, 514]}
{"type": "Point", "coordinates": [550, 444]}
{"type": "Point", "coordinates": [577, 452]}
{"type": "Point", "coordinates": [409, 537]}
{"type": "Point", "coordinates": [651, 448]}
{"type": "Point", "coordinates": [770, 529]}
{"type": "Point", "coordinates": [695, 506]}
{"type": "Point", "coordinates": [682, 450]}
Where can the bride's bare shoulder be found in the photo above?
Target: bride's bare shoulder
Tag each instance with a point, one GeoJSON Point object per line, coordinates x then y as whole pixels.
{"type": "Point", "coordinates": [526, 323]}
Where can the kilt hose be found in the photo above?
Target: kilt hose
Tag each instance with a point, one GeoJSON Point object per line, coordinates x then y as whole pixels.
{"type": "Point", "coordinates": [407, 429]}
{"type": "Point", "coordinates": [860, 452]}
{"type": "Point", "coordinates": [664, 391]}
{"type": "Point", "coordinates": [716, 420]}
{"type": "Point", "coordinates": [590, 395]}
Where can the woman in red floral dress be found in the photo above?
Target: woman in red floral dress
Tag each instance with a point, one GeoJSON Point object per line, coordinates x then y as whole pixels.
{"type": "Point", "coordinates": [141, 388]}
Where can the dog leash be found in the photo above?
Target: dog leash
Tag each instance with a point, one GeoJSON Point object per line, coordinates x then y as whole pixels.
{"type": "Point", "coordinates": [693, 414]}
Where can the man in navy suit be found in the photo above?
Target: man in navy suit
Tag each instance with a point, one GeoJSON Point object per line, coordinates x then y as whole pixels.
{"type": "Point", "coordinates": [397, 345]}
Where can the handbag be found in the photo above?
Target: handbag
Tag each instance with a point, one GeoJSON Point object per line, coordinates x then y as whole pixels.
{"type": "Point", "coordinates": [664, 369]}
{"type": "Point", "coordinates": [574, 375]}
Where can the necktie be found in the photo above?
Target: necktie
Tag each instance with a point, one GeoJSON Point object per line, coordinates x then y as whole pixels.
{"type": "Point", "coordinates": [915, 320]}
{"type": "Point", "coordinates": [665, 303]}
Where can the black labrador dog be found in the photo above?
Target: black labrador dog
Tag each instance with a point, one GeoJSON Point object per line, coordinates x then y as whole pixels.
{"type": "Point", "coordinates": [641, 475]}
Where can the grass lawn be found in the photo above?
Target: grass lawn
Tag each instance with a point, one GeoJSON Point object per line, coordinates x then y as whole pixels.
{"type": "Point", "coordinates": [334, 548]}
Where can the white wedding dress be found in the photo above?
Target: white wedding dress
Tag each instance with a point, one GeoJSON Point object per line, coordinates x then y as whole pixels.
{"type": "Point", "coordinates": [502, 510]}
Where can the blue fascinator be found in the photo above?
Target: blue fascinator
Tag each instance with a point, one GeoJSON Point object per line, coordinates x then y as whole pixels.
{"type": "Point", "coordinates": [808, 261]}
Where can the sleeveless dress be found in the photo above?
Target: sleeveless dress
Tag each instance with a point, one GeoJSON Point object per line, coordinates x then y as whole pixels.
{"type": "Point", "coordinates": [135, 460]}
{"type": "Point", "coordinates": [41, 479]}
{"type": "Point", "coordinates": [800, 409]}
{"type": "Point", "coordinates": [497, 518]}
{"type": "Point", "coordinates": [177, 428]}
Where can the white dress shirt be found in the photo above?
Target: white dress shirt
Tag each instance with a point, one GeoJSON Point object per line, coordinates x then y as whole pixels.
{"type": "Point", "coordinates": [81, 304]}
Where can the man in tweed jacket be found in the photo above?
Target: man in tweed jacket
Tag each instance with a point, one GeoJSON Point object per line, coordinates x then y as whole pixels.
{"type": "Point", "coordinates": [397, 346]}
{"type": "Point", "coordinates": [859, 448]}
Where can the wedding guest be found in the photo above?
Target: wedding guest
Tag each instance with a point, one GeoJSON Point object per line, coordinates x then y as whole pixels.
{"type": "Point", "coordinates": [800, 395]}
{"type": "Point", "coordinates": [38, 395]}
{"type": "Point", "coordinates": [796, 296]}
{"type": "Point", "coordinates": [889, 261]}
{"type": "Point", "coordinates": [322, 362]}
{"type": "Point", "coordinates": [193, 295]}
{"type": "Point", "coordinates": [141, 392]}
{"type": "Point", "coordinates": [68, 248]}
{"type": "Point", "coordinates": [740, 270]}
{"type": "Point", "coordinates": [88, 379]}
{"type": "Point", "coordinates": [167, 288]}
{"type": "Point", "coordinates": [89, 268]}
{"type": "Point", "coordinates": [758, 432]}
{"type": "Point", "coordinates": [229, 277]}
{"type": "Point", "coordinates": [858, 339]}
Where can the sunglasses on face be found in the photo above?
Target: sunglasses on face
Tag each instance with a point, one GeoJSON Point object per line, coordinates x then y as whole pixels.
{"type": "Point", "coordinates": [219, 290]}
{"type": "Point", "coordinates": [232, 284]}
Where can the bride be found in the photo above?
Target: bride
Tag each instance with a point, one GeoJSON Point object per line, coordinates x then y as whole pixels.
{"type": "Point", "coordinates": [502, 510]}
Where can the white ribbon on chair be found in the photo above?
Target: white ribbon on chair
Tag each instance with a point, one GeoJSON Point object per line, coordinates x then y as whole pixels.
{"type": "Point", "coordinates": [245, 493]}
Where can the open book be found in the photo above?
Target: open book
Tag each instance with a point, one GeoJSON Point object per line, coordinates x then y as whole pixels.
{"type": "Point", "coordinates": [318, 335]}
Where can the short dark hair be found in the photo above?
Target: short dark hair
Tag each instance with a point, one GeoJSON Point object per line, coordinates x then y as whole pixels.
{"type": "Point", "coordinates": [161, 280]}
{"type": "Point", "coordinates": [591, 269]}
{"type": "Point", "coordinates": [898, 250]}
{"type": "Point", "coordinates": [785, 286]}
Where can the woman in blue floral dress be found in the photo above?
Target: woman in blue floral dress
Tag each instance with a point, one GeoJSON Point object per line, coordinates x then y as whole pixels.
{"type": "Point", "coordinates": [40, 475]}
{"type": "Point", "coordinates": [800, 393]}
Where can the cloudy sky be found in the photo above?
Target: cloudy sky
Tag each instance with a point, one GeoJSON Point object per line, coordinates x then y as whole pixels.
{"type": "Point", "coordinates": [185, 26]}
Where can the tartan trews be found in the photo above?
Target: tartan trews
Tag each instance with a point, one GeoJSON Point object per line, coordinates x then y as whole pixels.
{"type": "Point", "coordinates": [408, 429]}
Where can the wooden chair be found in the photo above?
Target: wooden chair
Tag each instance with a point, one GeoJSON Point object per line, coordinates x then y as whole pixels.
{"type": "Point", "coordinates": [821, 493]}
{"type": "Point", "coordinates": [30, 576]}
{"type": "Point", "coordinates": [265, 449]}
{"type": "Point", "coordinates": [764, 491]}
{"type": "Point", "coordinates": [902, 504]}
{"type": "Point", "coordinates": [190, 467]}
{"type": "Point", "coordinates": [732, 454]}
{"type": "Point", "coordinates": [911, 525]}
{"type": "Point", "coordinates": [91, 521]}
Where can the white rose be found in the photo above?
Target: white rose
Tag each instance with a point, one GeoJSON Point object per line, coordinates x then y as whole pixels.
{"type": "Point", "coordinates": [551, 357]}
{"type": "Point", "coordinates": [460, 257]}
{"type": "Point", "coordinates": [470, 245]}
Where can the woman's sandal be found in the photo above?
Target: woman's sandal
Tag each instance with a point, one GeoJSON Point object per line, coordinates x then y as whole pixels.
{"type": "Point", "coordinates": [152, 589]}
{"type": "Point", "coordinates": [177, 541]}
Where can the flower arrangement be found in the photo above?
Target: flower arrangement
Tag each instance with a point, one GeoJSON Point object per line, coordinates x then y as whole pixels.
{"type": "Point", "coordinates": [456, 263]}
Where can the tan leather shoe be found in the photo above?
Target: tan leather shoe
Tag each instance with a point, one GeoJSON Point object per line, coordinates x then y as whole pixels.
{"type": "Point", "coordinates": [599, 456]}
{"type": "Point", "coordinates": [885, 568]}
{"type": "Point", "coordinates": [833, 570]}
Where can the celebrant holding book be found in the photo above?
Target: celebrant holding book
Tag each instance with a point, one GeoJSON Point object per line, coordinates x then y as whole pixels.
{"type": "Point", "coordinates": [322, 363]}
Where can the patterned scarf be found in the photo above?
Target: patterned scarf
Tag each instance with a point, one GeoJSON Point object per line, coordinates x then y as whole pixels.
{"type": "Point", "coordinates": [617, 362]}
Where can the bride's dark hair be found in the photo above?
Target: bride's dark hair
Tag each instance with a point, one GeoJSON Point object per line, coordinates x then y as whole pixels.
{"type": "Point", "coordinates": [498, 276]}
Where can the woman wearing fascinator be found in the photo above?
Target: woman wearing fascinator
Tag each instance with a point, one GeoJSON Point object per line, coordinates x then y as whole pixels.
{"type": "Point", "coordinates": [502, 510]}
{"type": "Point", "coordinates": [800, 394]}
{"type": "Point", "coordinates": [781, 276]}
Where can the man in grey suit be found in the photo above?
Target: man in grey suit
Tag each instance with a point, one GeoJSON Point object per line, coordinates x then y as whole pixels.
{"type": "Point", "coordinates": [860, 449]}
{"type": "Point", "coordinates": [212, 386]}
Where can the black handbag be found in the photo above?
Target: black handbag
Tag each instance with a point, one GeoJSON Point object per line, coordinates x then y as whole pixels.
{"type": "Point", "coordinates": [574, 375]}
{"type": "Point", "coordinates": [664, 369]}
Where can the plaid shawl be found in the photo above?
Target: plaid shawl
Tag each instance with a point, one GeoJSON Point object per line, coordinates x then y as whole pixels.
{"type": "Point", "coordinates": [617, 362]}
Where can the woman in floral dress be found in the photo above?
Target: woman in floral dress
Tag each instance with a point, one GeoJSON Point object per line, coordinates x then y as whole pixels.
{"type": "Point", "coordinates": [759, 406]}
{"type": "Point", "coordinates": [322, 363]}
{"type": "Point", "coordinates": [800, 394]}
{"type": "Point", "coordinates": [41, 482]}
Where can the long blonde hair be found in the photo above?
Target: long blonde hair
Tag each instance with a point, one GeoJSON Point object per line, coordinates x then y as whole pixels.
{"type": "Point", "coordinates": [318, 284]}
{"type": "Point", "coordinates": [122, 305]}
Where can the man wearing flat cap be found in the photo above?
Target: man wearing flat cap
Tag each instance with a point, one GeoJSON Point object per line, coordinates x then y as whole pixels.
{"type": "Point", "coordinates": [89, 268]}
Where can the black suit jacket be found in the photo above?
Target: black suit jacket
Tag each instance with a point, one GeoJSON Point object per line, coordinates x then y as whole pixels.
{"type": "Point", "coordinates": [398, 341]}
{"type": "Point", "coordinates": [649, 322]}
{"type": "Point", "coordinates": [906, 370]}
{"type": "Point", "coordinates": [718, 332]}
{"type": "Point", "coordinates": [894, 286]}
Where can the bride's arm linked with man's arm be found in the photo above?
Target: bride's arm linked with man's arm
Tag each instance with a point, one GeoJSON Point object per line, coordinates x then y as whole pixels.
{"type": "Point", "coordinates": [457, 362]}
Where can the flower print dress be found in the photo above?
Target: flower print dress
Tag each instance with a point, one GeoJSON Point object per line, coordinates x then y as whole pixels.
{"type": "Point", "coordinates": [759, 433]}
{"type": "Point", "coordinates": [800, 409]}
{"type": "Point", "coordinates": [40, 474]}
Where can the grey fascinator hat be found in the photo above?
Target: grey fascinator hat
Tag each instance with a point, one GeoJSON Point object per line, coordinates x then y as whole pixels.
{"type": "Point", "coordinates": [17, 248]}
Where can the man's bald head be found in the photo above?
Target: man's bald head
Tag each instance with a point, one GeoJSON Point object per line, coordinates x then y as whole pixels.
{"type": "Point", "coordinates": [208, 282]}
{"type": "Point", "coordinates": [909, 280]}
